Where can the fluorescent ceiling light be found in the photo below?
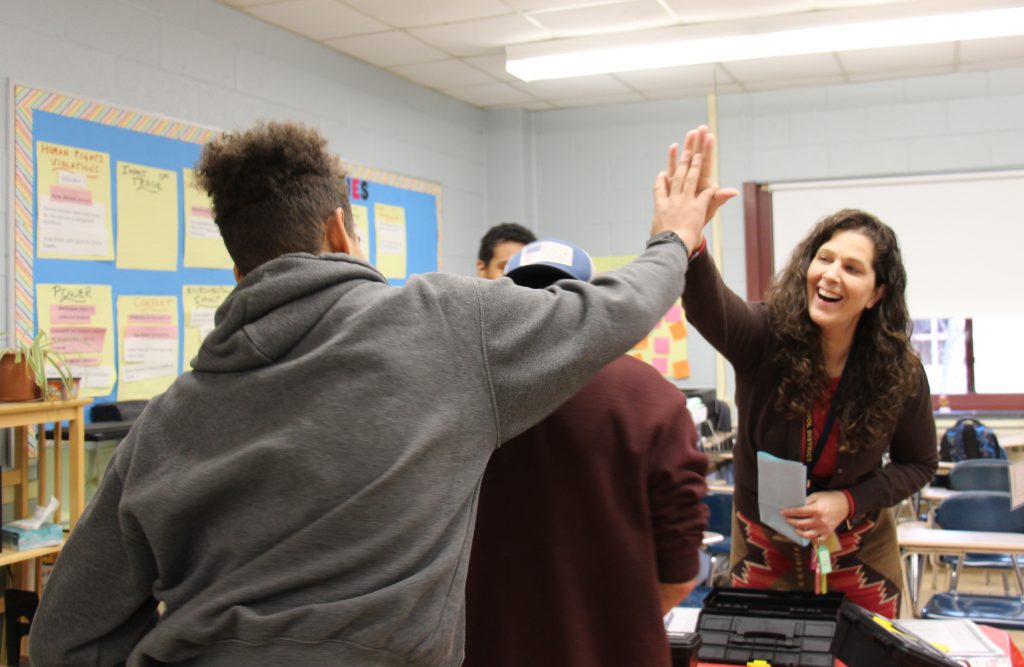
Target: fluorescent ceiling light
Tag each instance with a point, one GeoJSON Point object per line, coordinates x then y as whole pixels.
{"type": "Point", "coordinates": [534, 62]}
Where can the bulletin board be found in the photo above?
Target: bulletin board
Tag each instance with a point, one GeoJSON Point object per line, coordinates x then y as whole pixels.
{"type": "Point", "coordinates": [114, 252]}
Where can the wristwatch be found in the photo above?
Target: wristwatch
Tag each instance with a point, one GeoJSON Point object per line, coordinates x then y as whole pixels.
{"type": "Point", "coordinates": [668, 236]}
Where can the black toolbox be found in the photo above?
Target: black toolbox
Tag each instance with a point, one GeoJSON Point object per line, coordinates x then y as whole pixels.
{"type": "Point", "coordinates": [864, 639]}
{"type": "Point", "coordinates": [684, 647]}
{"type": "Point", "coordinates": [784, 628]}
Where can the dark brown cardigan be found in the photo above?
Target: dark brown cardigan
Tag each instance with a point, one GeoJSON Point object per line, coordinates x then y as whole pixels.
{"type": "Point", "coordinates": [740, 331]}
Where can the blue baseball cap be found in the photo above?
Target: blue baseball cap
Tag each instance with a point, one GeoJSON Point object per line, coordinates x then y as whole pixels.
{"type": "Point", "coordinates": [547, 261]}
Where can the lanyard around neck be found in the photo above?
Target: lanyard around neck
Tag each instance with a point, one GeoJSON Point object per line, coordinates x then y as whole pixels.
{"type": "Point", "coordinates": [813, 451]}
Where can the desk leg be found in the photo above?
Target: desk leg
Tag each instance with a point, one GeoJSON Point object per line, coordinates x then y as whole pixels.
{"type": "Point", "coordinates": [912, 565]}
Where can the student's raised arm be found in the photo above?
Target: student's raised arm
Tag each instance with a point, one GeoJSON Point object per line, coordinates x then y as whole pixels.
{"type": "Point", "coordinates": [541, 346]}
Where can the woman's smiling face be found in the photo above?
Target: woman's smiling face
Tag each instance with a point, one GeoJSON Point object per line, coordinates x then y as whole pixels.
{"type": "Point", "coordinates": [841, 282]}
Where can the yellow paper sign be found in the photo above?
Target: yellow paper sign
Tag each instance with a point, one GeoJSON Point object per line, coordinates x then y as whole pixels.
{"type": "Point", "coordinates": [80, 322]}
{"type": "Point", "coordinates": [389, 224]}
{"type": "Point", "coordinates": [147, 218]}
{"type": "Point", "coordinates": [204, 247]}
{"type": "Point", "coordinates": [74, 203]}
{"type": "Point", "coordinates": [665, 347]}
{"type": "Point", "coordinates": [361, 221]}
{"type": "Point", "coordinates": [610, 263]}
{"type": "Point", "coordinates": [200, 302]}
{"type": "Point", "coordinates": [147, 328]}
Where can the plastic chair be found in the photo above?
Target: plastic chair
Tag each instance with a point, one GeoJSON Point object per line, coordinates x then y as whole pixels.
{"type": "Point", "coordinates": [982, 510]}
{"type": "Point", "coordinates": [980, 475]}
{"type": "Point", "coordinates": [979, 511]}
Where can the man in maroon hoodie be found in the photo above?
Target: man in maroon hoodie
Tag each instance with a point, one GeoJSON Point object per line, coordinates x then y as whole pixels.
{"type": "Point", "coordinates": [589, 523]}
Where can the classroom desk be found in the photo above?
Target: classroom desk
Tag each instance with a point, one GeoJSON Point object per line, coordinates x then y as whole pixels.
{"type": "Point", "coordinates": [916, 540]}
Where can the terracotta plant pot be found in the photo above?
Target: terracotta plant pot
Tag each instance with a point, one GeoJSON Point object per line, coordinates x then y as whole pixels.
{"type": "Point", "coordinates": [16, 382]}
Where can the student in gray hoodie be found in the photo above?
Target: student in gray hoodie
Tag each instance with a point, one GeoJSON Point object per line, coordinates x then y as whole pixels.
{"type": "Point", "coordinates": [306, 495]}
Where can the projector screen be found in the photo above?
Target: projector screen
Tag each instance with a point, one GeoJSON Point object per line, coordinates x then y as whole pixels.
{"type": "Point", "coordinates": [962, 235]}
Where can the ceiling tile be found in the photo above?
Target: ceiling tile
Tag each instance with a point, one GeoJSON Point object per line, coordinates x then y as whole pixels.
{"type": "Point", "coordinates": [245, 3]}
{"type": "Point", "coordinates": [533, 5]}
{"type": "Point", "coordinates": [493, 65]}
{"type": "Point", "coordinates": [386, 49]}
{"type": "Point", "coordinates": [899, 73]}
{"type": "Point", "coordinates": [318, 19]}
{"type": "Point", "coordinates": [842, 4]}
{"type": "Point", "coordinates": [601, 100]}
{"type": "Point", "coordinates": [775, 84]}
{"type": "Point", "coordinates": [999, 49]}
{"type": "Point", "coordinates": [584, 86]}
{"type": "Point", "coordinates": [787, 67]}
{"type": "Point", "coordinates": [989, 65]}
{"type": "Point", "coordinates": [695, 91]}
{"type": "Point", "coordinates": [444, 74]}
{"type": "Point", "coordinates": [676, 77]}
{"type": "Point", "coordinates": [701, 11]}
{"type": "Point", "coordinates": [613, 17]}
{"type": "Point", "coordinates": [489, 95]}
{"type": "Point", "coordinates": [899, 57]}
{"type": "Point", "coordinates": [481, 37]}
{"type": "Point", "coordinates": [536, 106]}
{"type": "Point", "coordinates": [408, 13]}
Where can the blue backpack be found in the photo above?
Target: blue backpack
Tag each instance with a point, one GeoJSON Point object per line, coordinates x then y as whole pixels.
{"type": "Point", "coordinates": [969, 439]}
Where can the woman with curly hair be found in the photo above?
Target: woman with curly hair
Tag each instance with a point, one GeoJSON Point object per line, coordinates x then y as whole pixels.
{"type": "Point", "coordinates": [825, 375]}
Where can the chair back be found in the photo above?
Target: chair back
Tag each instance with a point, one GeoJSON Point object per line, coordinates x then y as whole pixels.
{"type": "Point", "coordinates": [980, 510]}
{"type": "Point", "coordinates": [720, 512]}
{"type": "Point", "coordinates": [980, 475]}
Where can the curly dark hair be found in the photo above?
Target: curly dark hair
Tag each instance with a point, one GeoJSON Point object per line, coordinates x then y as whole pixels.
{"type": "Point", "coordinates": [882, 369]}
{"type": "Point", "coordinates": [506, 231]}
{"type": "Point", "coordinates": [273, 186]}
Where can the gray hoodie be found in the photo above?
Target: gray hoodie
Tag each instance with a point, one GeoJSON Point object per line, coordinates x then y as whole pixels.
{"type": "Point", "coordinates": [306, 495]}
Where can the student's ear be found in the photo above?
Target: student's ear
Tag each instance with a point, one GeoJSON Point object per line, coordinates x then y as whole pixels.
{"type": "Point", "coordinates": [238, 274]}
{"type": "Point", "coordinates": [337, 238]}
{"type": "Point", "coordinates": [481, 268]}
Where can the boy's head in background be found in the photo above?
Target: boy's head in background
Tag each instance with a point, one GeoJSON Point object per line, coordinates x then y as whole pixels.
{"type": "Point", "coordinates": [497, 247]}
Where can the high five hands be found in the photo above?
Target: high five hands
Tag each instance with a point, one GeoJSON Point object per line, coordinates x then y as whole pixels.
{"type": "Point", "coordinates": [685, 199]}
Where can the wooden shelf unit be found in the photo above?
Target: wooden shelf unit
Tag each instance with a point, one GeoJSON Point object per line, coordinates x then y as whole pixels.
{"type": "Point", "coordinates": [23, 417]}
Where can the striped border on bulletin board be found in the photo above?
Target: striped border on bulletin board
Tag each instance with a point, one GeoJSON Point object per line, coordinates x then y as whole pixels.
{"type": "Point", "coordinates": [405, 183]}
{"type": "Point", "coordinates": [26, 100]}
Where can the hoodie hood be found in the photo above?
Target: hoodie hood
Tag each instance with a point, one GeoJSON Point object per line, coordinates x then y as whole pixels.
{"type": "Point", "coordinates": [275, 306]}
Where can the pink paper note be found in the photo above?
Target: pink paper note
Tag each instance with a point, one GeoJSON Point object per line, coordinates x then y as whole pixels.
{"type": "Point", "coordinates": [77, 339]}
{"type": "Point", "coordinates": [674, 314]}
{"type": "Point", "coordinates": [661, 344]}
{"type": "Point", "coordinates": [661, 363]}
{"type": "Point", "coordinates": [71, 313]}
{"type": "Point", "coordinates": [151, 332]}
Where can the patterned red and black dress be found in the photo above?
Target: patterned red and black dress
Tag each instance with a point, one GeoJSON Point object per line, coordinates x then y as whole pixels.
{"type": "Point", "coordinates": [866, 567]}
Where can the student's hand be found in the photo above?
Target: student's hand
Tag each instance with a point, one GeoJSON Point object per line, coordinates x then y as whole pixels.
{"type": "Point", "coordinates": [678, 205]}
{"type": "Point", "coordinates": [820, 515]}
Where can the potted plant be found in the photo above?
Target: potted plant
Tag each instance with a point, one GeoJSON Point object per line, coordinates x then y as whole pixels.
{"type": "Point", "coordinates": [23, 371]}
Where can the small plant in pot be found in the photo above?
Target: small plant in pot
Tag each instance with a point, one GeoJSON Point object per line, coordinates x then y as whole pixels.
{"type": "Point", "coordinates": [23, 372]}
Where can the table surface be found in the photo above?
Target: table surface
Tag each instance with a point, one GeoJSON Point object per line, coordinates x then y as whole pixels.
{"type": "Point", "coordinates": [919, 538]}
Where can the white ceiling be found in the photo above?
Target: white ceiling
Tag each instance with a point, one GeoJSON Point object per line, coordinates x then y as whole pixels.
{"type": "Point", "coordinates": [458, 46]}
